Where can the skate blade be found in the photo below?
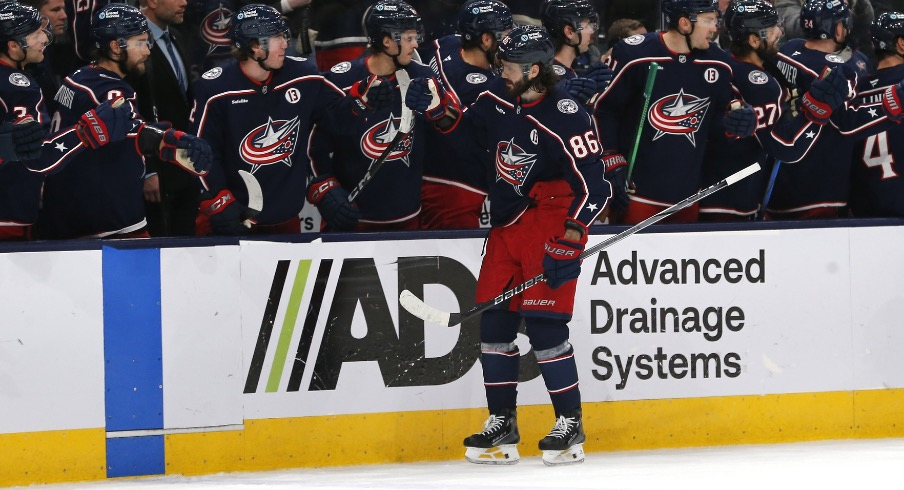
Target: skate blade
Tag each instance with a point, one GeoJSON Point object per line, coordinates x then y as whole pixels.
{"type": "Point", "coordinates": [504, 454]}
{"type": "Point", "coordinates": [572, 455]}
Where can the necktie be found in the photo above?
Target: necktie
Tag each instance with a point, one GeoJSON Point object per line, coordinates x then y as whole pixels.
{"type": "Point", "coordinates": [174, 61]}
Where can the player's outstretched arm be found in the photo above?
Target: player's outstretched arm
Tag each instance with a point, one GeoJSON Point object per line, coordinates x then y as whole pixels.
{"type": "Point", "coordinates": [21, 140]}
{"type": "Point", "coordinates": [428, 99]}
{"type": "Point", "coordinates": [188, 152]}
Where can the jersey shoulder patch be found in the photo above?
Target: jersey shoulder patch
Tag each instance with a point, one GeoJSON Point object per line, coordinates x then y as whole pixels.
{"type": "Point", "coordinates": [212, 73]}
{"type": "Point", "coordinates": [560, 70]}
{"type": "Point", "coordinates": [476, 78]}
{"type": "Point", "coordinates": [635, 39]}
{"type": "Point", "coordinates": [19, 79]}
{"type": "Point", "coordinates": [341, 67]}
{"type": "Point", "coordinates": [567, 106]}
{"type": "Point", "coordinates": [758, 77]}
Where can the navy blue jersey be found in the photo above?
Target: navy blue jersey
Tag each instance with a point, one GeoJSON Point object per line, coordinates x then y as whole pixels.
{"type": "Point", "coordinates": [264, 128]}
{"type": "Point", "coordinates": [20, 188]}
{"type": "Point", "coordinates": [79, 14]}
{"type": "Point", "coordinates": [877, 182]}
{"type": "Point", "coordinates": [394, 193]}
{"type": "Point", "coordinates": [821, 178]}
{"type": "Point", "coordinates": [690, 92]}
{"type": "Point", "coordinates": [549, 139]}
{"type": "Point", "coordinates": [90, 192]}
{"type": "Point", "coordinates": [212, 44]}
{"type": "Point", "coordinates": [444, 162]}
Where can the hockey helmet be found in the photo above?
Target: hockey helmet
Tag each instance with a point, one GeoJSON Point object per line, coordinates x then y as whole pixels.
{"type": "Point", "coordinates": [556, 14]}
{"type": "Point", "coordinates": [479, 16]}
{"type": "Point", "coordinates": [257, 23]}
{"type": "Point", "coordinates": [744, 17]}
{"type": "Point", "coordinates": [818, 18]}
{"type": "Point", "coordinates": [17, 22]}
{"type": "Point", "coordinates": [119, 22]}
{"type": "Point", "coordinates": [527, 45]}
{"type": "Point", "coordinates": [391, 18]}
{"type": "Point", "coordinates": [676, 9]}
{"type": "Point", "coordinates": [886, 30]}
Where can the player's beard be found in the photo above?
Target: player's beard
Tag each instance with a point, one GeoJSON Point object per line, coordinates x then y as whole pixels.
{"type": "Point", "coordinates": [766, 50]}
{"type": "Point", "coordinates": [134, 69]}
{"type": "Point", "coordinates": [517, 88]}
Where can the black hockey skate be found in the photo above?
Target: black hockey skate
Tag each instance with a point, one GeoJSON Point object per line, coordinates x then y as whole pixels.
{"type": "Point", "coordinates": [497, 443]}
{"type": "Point", "coordinates": [565, 443]}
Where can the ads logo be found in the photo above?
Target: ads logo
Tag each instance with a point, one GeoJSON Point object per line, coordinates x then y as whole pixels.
{"type": "Point", "coordinates": [399, 350]}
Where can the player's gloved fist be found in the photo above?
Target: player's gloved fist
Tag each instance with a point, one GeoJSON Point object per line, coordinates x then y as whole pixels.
{"type": "Point", "coordinates": [428, 97]}
{"type": "Point", "coordinates": [602, 75]}
{"type": "Point", "coordinates": [189, 152]}
{"type": "Point", "coordinates": [616, 172]}
{"type": "Point", "coordinates": [373, 93]}
{"type": "Point", "coordinates": [561, 263]}
{"type": "Point", "coordinates": [21, 140]}
{"type": "Point", "coordinates": [828, 94]}
{"type": "Point", "coordinates": [891, 102]}
{"type": "Point", "coordinates": [580, 89]}
{"type": "Point", "coordinates": [740, 122]}
{"type": "Point", "coordinates": [227, 216]}
{"type": "Point", "coordinates": [111, 121]}
{"type": "Point", "coordinates": [332, 202]}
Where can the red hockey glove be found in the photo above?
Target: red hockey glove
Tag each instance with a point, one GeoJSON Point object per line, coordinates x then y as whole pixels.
{"type": "Point", "coordinates": [828, 94]}
{"type": "Point", "coordinates": [372, 94]}
{"type": "Point", "coordinates": [227, 216]}
{"type": "Point", "coordinates": [891, 103]}
{"type": "Point", "coordinates": [617, 174]}
{"type": "Point", "coordinates": [189, 152]}
{"type": "Point", "coordinates": [561, 263]}
{"type": "Point", "coordinates": [332, 202]}
{"type": "Point", "coordinates": [427, 96]}
{"type": "Point", "coordinates": [111, 121]}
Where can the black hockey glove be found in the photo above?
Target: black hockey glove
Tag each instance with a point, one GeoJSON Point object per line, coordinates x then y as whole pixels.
{"type": "Point", "coordinates": [740, 121]}
{"type": "Point", "coordinates": [580, 89]}
{"type": "Point", "coordinates": [828, 94]}
{"type": "Point", "coordinates": [373, 93]}
{"type": "Point", "coordinates": [891, 103]}
{"type": "Point", "coordinates": [21, 140]}
{"type": "Point", "coordinates": [617, 174]}
{"type": "Point", "coordinates": [189, 152]}
{"type": "Point", "coordinates": [560, 262]}
{"type": "Point", "coordinates": [109, 122]}
{"type": "Point", "coordinates": [602, 75]}
{"type": "Point", "coordinates": [227, 216]}
{"type": "Point", "coordinates": [332, 202]}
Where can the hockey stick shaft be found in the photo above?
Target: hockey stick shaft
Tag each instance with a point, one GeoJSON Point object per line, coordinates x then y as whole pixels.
{"type": "Point", "coordinates": [768, 194]}
{"type": "Point", "coordinates": [425, 312]}
{"type": "Point", "coordinates": [647, 94]}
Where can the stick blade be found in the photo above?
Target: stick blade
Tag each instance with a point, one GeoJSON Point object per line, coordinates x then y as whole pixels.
{"type": "Point", "coordinates": [422, 310]}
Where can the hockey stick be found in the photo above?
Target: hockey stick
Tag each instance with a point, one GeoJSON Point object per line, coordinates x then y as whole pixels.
{"type": "Point", "coordinates": [768, 195]}
{"type": "Point", "coordinates": [405, 127]}
{"type": "Point", "coordinates": [647, 94]}
{"type": "Point", "coordinates": [434, 315]}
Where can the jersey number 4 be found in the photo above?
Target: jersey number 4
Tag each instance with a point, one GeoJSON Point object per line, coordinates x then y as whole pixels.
{"type": "Point", "coordinates": [875, 154]}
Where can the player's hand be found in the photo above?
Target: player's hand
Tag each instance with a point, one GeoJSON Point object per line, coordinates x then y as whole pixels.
{"type": "Point", "coordinates": [602, 75]}
{"type": "Point", "coordinates": [21, 140]}
{"type": "Point", "coordinates": [829, 93]}
{"type": "Point", "coordinates": [227, 216]}
{"type": "Point", "coordinates": [189, 152]}
{"type": "Point", "coordinates": [740, 121]}
{"type": "Point", "coordinates": [580, 89]}
{"type": "Point", "coordinates": [427, 96]}
{"type": "Point", "coordinates": [109, 122]}
{"type": "Point", "coordinates": [152, 188]}
{"type": "Point", "coordinates": [373, 93]}
{"type": "Point", "coordinates": [332, 202]}
{"type": "Point", "coordinates": [891, 103]}
{"type": "Point", "coordinates": [560, 262]}
{"type": "Point", "coordinates": [617, 174]}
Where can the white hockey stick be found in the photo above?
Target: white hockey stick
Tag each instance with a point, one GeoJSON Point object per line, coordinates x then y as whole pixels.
{"type": "Point", "coordinates": [434, 315]}
{"type": "Point", "coordinates": [405, 127]}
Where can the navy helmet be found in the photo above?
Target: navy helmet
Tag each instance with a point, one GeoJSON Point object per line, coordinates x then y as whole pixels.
{"type": "Point", "coordinates": [676, 9]}
{"type": "Point", "coordinates": [744, 17]}
{"type": "Point", "coordinates": [479, 16]}
{"type": "Point", "coordinates": [886, 30]}
{"type": "Point", "coordinates": [818, 18]}
{"type": "Point", "coordinates": [527, 45]}
{"type": "Point", "coordinates": [257, 23]}
{"type": "Point", "coordinates": [117, 22]}
{"type": "Point", "coordinates": [556, 14]}
{"type": "Point", "coordinates": [18, 21]}
{"type": "Point", "coordinates": [391, 18]}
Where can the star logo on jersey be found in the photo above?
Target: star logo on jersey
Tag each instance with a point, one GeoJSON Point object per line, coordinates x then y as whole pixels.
{"type": "Point", "coordinates": [678, 114]}
{"type": "Point", "coordinates": [376, 139]}
{"type": "Point", "coordinates": [513, 164]}
{"type": "Point", "coordinates": [270, 143]}
{"type": "Point", "coordinates": [215, 29]}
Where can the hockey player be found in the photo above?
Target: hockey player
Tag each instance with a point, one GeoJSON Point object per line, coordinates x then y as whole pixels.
{"type": "Point", "coordinates": [546, 187]}
{"type": "Point", "coordinates": [257, 113]}
{"type": "Point", "coordinates": [454, 185]}
{"type": "Point", "coordinates": [95, 164]}
{"type": "Point", "coordinates": [342, 156]}
{"type": "Point", "coordinates": [877, 186]}
{"type": "Point", "coordinates": [572, 25]}
{"type": "Point", "coordinates": [23, 41]}
{"type": "Point", "coordinates": [692, 91]}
